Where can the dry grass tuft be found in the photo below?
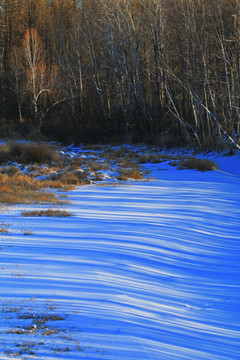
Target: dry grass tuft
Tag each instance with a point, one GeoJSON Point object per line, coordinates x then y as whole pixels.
{"type": "Point", "coordinates": [28, 153]}
{"type": "Point", "coordinates": [41, 319]}
{"type": "Point", "coordinates": [23, 189]}
{"type": "Point", "coordinates": [97, 165]}
{"type": "Point", "coordinates": [69, 178]}
{"type": "Point", "coordinates": [15, 187]}
{"type": "Point", "coordinates": [27, 232]}
{"type": "Point", "coordinates": [9, 170]}
{"type": "Point", "coordinates": [98, 177]}
{"type": "Point", "coordinates": [155, 158]}
{"type": "Point", "coordinates": [120, 153]}
{"type": "Point", "coordinates": [198, 164]}
{"type": "Point", "coordinates": [127, 163]}
{"type": "Point", "coordinates": [75, 165]}
{"type": "Point", "coordinates": [76, 177]}
{"type": "Point", "coordinates": [48, 331]}
{"type": "Point", "coordinates": [125, 174]}
{"type": "Point", "coordinates": [48, 212]}
{"type": "Point", "coordinates": [55, 184]}
{"type": "Point", "coordinates": [59, 349]}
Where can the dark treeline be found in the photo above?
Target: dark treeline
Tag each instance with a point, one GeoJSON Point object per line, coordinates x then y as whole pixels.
{"type": "Point", "coordinates": [146, 70]}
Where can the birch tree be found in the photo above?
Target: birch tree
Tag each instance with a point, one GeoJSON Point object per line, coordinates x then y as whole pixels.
{"type": "Point", "coordinates": [35, 71]}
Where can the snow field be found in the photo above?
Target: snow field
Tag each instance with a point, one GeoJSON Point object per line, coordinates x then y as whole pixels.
{"type": "Point", "coordinates": [148, 270]}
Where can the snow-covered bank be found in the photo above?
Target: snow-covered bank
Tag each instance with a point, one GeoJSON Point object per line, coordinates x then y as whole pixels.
{"type": "Point", "coordinates": [148, 270]}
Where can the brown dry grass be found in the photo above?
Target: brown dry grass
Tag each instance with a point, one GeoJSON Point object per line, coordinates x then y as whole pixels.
{"type": "Point", "coordinates": [16, 187]}
{"type": "Point", "coordinates": [97, 165]}
{"type": "Point", "coordinates": [182, 162]}
{"type": "Point", "coordinates": [23, 189]}
{"type": "Point", "coordinates": [48, 332]}
{"type": "Point", "coordinates": [28, 153]}
{"type": "Point", "coordinates": [120, 153]}
{"type": "Point", "coordinates": [127, 163]}
{"type": "Point", "coordinates": [198, 164]}
{"type": "Point", "coordinates": [74, 166]}
{"type": "Point", "coordinates": [125, 174]}
{"type": "Point", "coordinates": [9, 170]}
{"type": "Point", "coordinates": [98, 177]}
{"type": "Point", "coordinates": [48, 212]}
{"type": "Point", "coordinates": [155, 158]}
{"type": "Point", "coordinates": [75, 177]}
{"type": "Point", "coordinates": [56, 184]}
{"type": "Point", "coordinates": [41, 319]}
{"type": "Point", "coordinates": [42, 161]}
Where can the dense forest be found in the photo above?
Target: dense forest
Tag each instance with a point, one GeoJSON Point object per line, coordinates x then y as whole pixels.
{"type": "Point", "coordinates": [159, 71]}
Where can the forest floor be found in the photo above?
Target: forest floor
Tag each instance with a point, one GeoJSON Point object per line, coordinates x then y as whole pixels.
{"type": "Point", "coordinates": [133, 254]}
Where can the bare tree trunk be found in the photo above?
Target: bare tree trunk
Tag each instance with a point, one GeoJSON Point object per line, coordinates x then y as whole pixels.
{"type": "Point", "coordinates": [36, 82]}
{"type": "Point", "coordinates": [16, 78]}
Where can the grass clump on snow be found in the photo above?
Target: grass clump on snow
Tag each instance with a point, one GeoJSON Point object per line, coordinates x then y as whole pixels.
{"type": "Point", "coordinates": [155, 158]}
{"type": "Point", "coordinates": [126, 174]}
{"type": "Point", "coordinates": [198, 164]}
{"type": "Point", "coordinates": [27, 153]}
{"type": "Point", "coordinates": [48, 212]}
{"type": "Point", "coordinates": [98, 165]}
{"type": "Point", "coordinates": [23, 189]}
{"type": "Point", "coordinates": [76, 177]}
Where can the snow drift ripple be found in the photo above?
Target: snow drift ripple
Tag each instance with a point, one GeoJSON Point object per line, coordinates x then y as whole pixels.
{"type": "Point", "coordinates": [147, 271]}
